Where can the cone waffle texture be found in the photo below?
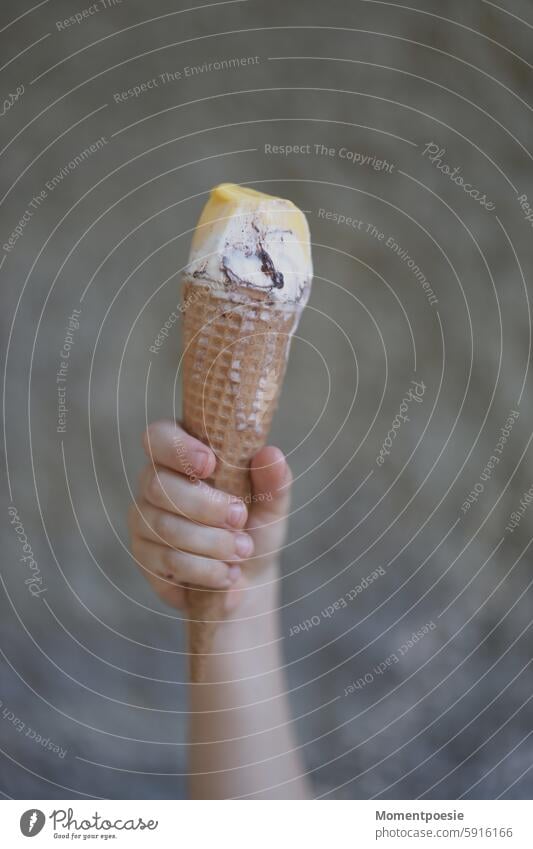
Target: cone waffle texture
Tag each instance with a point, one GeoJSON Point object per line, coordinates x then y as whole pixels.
{"type": "Point", "coordinates": [235, 354]}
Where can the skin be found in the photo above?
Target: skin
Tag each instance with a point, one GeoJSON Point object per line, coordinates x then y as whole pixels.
{"type": "Point", "coordinates": [184, 532]}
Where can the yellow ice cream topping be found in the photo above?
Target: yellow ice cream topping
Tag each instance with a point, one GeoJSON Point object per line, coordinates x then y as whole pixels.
{"type": "Point", "coordinates": [228, 200]}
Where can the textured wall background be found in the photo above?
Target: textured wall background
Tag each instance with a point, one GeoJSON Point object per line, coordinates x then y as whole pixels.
{"type": "Point", "coordinates": [95, 664]}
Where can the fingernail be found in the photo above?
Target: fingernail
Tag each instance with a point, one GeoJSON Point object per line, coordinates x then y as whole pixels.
{"type": "Point", "coordinates": [243, 545]}
{"type": "Point", "coordinates": [235, 573]}
{"type": "Point", "coordinates": [236, 514]}
{"type": "Point", "coordinates": [200, 460]}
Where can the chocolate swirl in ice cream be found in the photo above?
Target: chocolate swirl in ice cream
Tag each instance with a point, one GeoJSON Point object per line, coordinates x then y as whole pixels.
{"type": "Point", "coordinates": [247, 238]}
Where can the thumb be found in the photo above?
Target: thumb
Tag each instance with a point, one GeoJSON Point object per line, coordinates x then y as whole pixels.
{"type": "Point", "coordinates": [271, 481]}
{"type": "Point", "coordinates": [271, 485]}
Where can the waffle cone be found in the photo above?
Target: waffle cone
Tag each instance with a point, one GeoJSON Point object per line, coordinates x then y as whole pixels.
{"type": "Point", "coordinates": [235, 354]}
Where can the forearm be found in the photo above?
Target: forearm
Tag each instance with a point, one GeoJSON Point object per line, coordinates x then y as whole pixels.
{"type": "Point", "coordinates": [241, 737]}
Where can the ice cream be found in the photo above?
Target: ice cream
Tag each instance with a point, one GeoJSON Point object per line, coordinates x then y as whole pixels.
{"type": "Point", "coordinates": [247, 281]}
{"type": "Point", "coordinates": [247, 238]}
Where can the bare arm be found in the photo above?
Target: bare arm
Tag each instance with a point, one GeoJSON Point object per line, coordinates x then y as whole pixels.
{"type": "Point", "coordinates": [241, 737]}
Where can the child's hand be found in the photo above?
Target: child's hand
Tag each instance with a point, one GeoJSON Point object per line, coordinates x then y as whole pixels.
{"type": "Point", "coordinates": [184, 532]}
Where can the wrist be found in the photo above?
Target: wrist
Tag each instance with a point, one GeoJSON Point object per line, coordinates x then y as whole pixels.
{"type": "Point", "coordinates": [257, 593]}
{"type": "Point", "coordinates": [252, 617]}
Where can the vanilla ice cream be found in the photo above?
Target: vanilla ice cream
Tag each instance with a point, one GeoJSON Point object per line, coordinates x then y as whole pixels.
{"type": "Point", "coordinates": [248, 238]}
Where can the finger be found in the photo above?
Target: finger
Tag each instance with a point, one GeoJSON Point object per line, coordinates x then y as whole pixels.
{"type": "Point", "coordinates": [196, 501]}
{"type": "Point", "coordinates": [271, 484]}
{"type": "Point", "coordinates": [167, 444]}
{"type": "Point", "coordinates": [166, 528]}
{"type": "Point", "coordinates": [184, 568]}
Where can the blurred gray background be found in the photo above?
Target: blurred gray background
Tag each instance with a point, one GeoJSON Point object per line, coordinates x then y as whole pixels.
{"type": "Point", "coordinates": [93, 676]}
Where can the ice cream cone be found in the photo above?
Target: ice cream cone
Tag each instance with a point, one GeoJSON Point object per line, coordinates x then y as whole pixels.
{"type": "Point", "coordinates": [234, 363]}
{"type": "Point", "coordinates": [237, 336]}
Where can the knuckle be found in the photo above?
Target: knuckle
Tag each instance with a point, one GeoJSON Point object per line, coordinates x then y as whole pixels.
{"type": "Point", "coordinates": [202, 570]}
{"type": "Point", "coordinates": [215, 573]}
{"type": "Point", "coordinates": [218, 505]}
{"type": "Point", "coordinates": [203, 502]}
{"type": "Point", "coordinates": [171, 559]}
{"type": "Point", "coordinates": [150, 435]}
{"type": "Point", "coordinates": [153, 487]}
{"type": "Point", "coordinates": [162, 525]}
{"type": "Point", "coordinates": [226, 544]}
{"type": "Point", "coordinates": [197, 539]}
{"type": "Point", "coordinates": [136, 550]}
